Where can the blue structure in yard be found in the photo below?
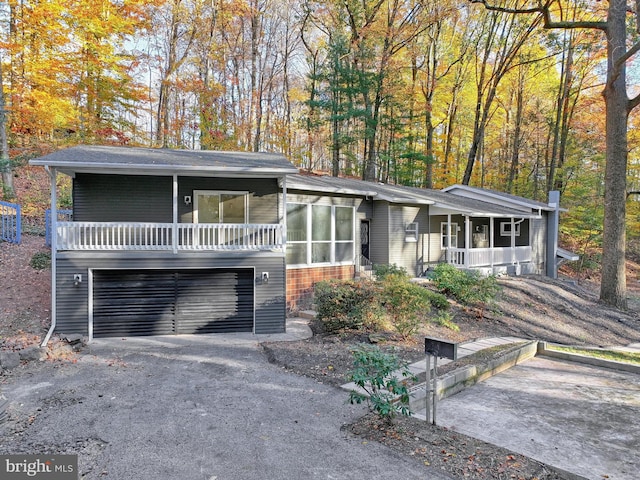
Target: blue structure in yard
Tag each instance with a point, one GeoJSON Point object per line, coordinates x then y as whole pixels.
{"type": "Point", "coordinates": [10, 222]}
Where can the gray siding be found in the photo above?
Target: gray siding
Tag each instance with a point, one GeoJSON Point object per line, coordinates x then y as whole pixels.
{"type": "Point", "coordinates": [539, 244]}
{"type": "Point", "coordinates": [405, 253]}
{"type": "Point", "coordinates": [122, 198]}
{"type": "Point", "coordinates": [263, 196]}
{"type": "Point", "coordinates": [380, 233]}
{"type": "Point", "coordinates": [73, 301]}
{"type": "Point", "coordinates": [141, 198]}
{"type": "Point", "coordinates": [344, 201]}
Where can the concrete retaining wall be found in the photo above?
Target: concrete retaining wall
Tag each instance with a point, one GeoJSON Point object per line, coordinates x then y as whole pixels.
{"type": "Point", "coordinates": [458, 379]}
{"type": "Point", "coordinates": [543, 349]}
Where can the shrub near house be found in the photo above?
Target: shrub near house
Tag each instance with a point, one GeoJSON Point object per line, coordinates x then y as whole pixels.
{"type": "Point", "coordinates": [390, 302]}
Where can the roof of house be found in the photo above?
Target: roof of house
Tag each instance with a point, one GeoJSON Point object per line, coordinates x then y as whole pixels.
{"type": "Point", "coordinates": [440, 200]}
{"type": "Point", "coordinates": [149, 161]}
{"type": "Point", "coordinates": [494, 195]}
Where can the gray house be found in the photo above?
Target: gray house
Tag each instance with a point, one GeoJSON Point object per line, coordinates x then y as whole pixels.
{"type": "Point", "coordinates": [174, 241]}
{"type": "Point", "coordinates": [166, 241]}
{"type": "Point", "coordinates": [339, 226]}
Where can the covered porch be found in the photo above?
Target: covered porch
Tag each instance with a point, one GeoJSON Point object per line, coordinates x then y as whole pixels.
{"type": "Point", "coordinates": [485, 241]}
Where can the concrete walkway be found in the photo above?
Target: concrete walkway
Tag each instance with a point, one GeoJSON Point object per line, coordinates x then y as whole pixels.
{"type": "Point", "coordinates": [464, 350]}
{"type": "Point", "coordinates": [575, 417]}
{"type": "Point", "coordinates": [580, 419]}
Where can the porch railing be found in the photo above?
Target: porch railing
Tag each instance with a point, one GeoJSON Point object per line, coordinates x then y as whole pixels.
{"type": "Point", "coordinates": [482, 257]}
{"type": "Point", "coordinates": [168, 236]}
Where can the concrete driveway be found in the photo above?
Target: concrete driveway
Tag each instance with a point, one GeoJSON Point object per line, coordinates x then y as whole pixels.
{"type": "Point", "coordinates": [191, 407]}
{"type": "Point", "coordinates": [581, 419]}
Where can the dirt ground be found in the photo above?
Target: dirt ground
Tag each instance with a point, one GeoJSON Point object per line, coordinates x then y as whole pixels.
{"type": "Point", "coordinates": [562, 311]}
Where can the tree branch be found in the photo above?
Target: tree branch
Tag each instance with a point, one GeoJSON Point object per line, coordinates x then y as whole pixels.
{"type": "Point", "coordinates": [630, 53]}
{"type": "Point", "coordinates": [546, 14]}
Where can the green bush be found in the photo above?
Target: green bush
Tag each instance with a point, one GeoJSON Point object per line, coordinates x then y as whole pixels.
{"type": "Point", "coordinates": [385, 394]}
{"type": "Point", "coordinates": [406, 303]}
{"type": "Point", "coordinates": [445, 319]}
{"type": "Point", "coordinates": [382, 271]}
{"type": "Point", "coordinates": [347, 305]}
{"type": "Point", "coordinates": [450, 280]}
{"type": "Point", "coordinates": [40, 260]}
{"type": "Point", "coordinates": [466, 286]}
{"type": "Point", "coordinates": [437, 300]}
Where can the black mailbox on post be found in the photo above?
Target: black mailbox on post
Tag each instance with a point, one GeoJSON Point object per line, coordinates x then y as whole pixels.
{"type": "Point", "coordinates": [440, 348]}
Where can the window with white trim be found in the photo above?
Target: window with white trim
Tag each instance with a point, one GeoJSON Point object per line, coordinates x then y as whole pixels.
{"type": "Point", "coordinates": [411, 232]}
{"type": "Point", "coordinates": [319, 234]}
{"type": "Point", "coordinates": [448, 230]}
{"type": "Point", "coordinates": [505, 229]}
{"type": "Point", "coordinates": [219, 206]}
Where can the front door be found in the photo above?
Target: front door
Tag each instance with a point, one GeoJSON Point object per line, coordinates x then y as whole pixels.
{"type": "Point", "coordinates": [364, 238]}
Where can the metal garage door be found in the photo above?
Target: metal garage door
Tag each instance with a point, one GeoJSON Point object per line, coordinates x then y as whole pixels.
{"type": "Point", "coordinates": [160, 302]}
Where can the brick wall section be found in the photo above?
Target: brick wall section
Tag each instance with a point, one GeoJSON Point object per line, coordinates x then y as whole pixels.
{"type": "Point", "coordinates": [300, 283]}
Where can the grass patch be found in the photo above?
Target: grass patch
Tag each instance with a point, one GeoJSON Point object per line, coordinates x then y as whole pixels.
{"type": "Point", "coordinates": [613, 355]}
{"type": "Point", "coordinates": [41, 260]}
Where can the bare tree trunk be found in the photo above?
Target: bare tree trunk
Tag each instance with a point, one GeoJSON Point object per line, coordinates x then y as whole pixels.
{"type": "Point", "coordinates": [517, 134]}
{"type": "Point", "coordinates": [5, 162]}
{"type": "Point", "coordinates": [560, 128]}
{"type": "Point", "coordinates": [613, 286]}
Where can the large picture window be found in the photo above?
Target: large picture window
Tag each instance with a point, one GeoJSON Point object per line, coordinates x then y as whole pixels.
{"type": "Point", "coordinates": [319, 234]}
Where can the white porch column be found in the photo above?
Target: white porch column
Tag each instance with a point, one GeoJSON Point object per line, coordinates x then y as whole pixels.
{"type": "Point", "coordinates": [284, 213]}
{"type": "Point", "coordinates": [467, 240]}
{"type": "Point", "coordinates": [513, 241]}
{"type": "Point", "coordinates": [53, 175]}
{"type": "Point", "coordinates": [491, 240]}
{"type": "Point", "coordinates": [448, 238]}
{"type": "Point", "coordinates": [174, 230]}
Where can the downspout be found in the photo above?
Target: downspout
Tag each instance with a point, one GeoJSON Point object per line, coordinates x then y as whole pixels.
{"type": "Point", "coordinates": [54, 248]}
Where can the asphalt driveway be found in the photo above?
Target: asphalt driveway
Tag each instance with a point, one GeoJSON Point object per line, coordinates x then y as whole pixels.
{"type": "Point", "coordinates": [190, 407]}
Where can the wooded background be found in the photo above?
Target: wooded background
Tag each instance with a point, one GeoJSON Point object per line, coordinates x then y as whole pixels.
{"type": "Point", "coordinates": [421, 93]}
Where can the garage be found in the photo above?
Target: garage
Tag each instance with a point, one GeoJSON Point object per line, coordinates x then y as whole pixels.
{"type": "Point", "coordinates": [160, 302]}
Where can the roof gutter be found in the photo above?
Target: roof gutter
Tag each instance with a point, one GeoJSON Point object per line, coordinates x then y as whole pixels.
{"type": "Point", "coordinates": [54, 247]}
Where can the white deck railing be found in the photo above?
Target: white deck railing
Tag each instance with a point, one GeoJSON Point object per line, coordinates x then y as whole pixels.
{"type": "Point", "coordinates": [483, 257]}
{"type": "Point", "coordinates": [168, 236]}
